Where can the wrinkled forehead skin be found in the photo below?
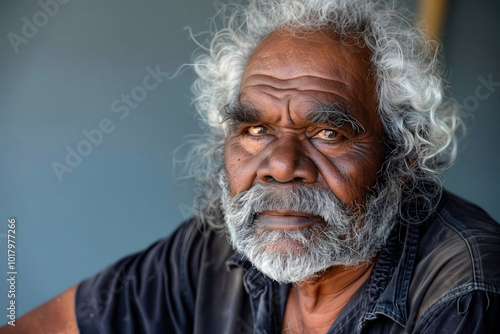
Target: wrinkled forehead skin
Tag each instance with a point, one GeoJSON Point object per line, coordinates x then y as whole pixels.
{"type": "Point", "coordinates": [343, 64]}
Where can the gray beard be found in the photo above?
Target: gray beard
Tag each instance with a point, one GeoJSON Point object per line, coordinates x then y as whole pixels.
{"type": "Point", "coordinates": [293, 256]}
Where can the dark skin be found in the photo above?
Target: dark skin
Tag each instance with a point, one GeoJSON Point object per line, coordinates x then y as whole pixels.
{"type": "Point", "coordinates": [312, 307]}
{"type": "Point", "coordinates": [56, 316]}
{"type": "Point", "coordinates": [283, 81]}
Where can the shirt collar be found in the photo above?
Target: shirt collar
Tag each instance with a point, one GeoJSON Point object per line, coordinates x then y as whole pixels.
{"type": "Point", "coordinates": [238, 260]}
{"type": "Point", "coordinates": [390, 279]}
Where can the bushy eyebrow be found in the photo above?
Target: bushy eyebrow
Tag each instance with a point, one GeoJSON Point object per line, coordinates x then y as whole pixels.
{"type": "Point", "coordinates": [335, 115]}
{"type": "Point", "coordinates": [237, 113]}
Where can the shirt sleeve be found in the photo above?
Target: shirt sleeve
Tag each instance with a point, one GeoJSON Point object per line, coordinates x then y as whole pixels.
{"type": "Point", "coordinates": [475, 312]}
{"type": "Point", "coordinates": [148, 292]}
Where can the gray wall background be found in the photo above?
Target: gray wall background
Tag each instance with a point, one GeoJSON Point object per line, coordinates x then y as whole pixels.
{"type": "Point", "coordinates": [124, 194]}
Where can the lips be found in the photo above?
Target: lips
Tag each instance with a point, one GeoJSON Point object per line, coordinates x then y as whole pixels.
{"type": "Point", "coordinates": [287, 220]}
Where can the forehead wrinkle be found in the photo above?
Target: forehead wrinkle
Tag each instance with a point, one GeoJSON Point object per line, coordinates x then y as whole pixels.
{"type": "Point", "coordinates": [272, 115]}
{"type": "Point", "coordinates": [287, 83]}
{"type": "Point", "coordinates": [328, 97]}
{"type": "Point", "coordinates": [277, 113]}
{"type": "Point", "coordinates": [289, 113]}
{"type": "Point", "coordinates": [348, 96]}
{"type": "Point", "coordinates": [332, 96]}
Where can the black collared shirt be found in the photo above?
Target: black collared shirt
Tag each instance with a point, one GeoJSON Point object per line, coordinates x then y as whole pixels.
{"type": "Point", "coordinates": [440, 276]}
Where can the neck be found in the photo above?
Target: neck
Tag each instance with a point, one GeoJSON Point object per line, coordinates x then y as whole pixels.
{"type": "Point", "coordinates": [315, 304]}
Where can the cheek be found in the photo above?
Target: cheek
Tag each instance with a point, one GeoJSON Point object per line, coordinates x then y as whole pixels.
{"type": "Point", "coordinates": [350, 173]}
{"type": "Point", "coordinates": [358, 171]}
{"type": "Point", "coordinates": [241, 167]}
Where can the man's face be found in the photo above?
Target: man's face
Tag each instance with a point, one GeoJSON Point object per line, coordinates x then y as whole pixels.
{"type": "Point", "coordinates": [306, 116]}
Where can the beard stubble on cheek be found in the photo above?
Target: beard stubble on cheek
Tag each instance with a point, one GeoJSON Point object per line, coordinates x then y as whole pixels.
{"type": "Point", "coordinates": [290, 256]}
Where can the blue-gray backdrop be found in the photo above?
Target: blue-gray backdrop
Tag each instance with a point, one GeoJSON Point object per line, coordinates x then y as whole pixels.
{"type": "Point", "coordinates": [73, 80]}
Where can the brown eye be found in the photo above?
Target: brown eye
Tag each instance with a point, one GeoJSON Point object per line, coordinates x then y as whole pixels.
{"type": "Point", "coordinates": [257, 130]}
{"type": "Point", "coordinates": [328, 134]}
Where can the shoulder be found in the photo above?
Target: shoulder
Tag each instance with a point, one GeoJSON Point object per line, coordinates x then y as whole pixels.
{"type": "Point", "coordinates": [457, 257]}
{"type": "Point", "coordinates": [465, 237]}
{"type": "Point", "coordinates": [148, 286]}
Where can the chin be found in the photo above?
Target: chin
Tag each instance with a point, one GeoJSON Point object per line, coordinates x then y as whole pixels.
{"type": "Point", "coordinates": [286, 246]}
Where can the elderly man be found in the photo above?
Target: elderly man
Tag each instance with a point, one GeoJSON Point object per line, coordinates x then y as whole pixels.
{"type": "Point", "coordinates": [328, 131]}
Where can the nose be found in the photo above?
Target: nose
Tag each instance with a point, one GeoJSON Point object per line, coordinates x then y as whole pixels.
{"type": "Point", "coordinates": [287, 161]}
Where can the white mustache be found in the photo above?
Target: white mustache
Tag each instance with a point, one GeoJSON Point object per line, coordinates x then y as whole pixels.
{"type": "Point", "coordinates": [296, 198]}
